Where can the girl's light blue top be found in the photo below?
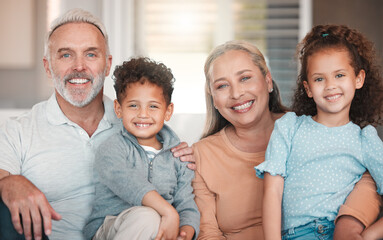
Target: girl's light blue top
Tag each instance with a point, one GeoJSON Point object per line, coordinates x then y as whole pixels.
{"type": "Point", "coordinates": [320, 165]}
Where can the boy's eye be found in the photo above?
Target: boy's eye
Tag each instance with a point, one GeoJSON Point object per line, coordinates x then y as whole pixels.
{"type": "Point", "coordinates": [153, 106]}
{"type": "Point", "coordinates": [133, 105]}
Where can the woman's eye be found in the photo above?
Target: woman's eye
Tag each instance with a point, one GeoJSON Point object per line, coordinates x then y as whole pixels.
{"type": "Point", "coordinates": [245, 78]}
{"type": "Point", "coordinates": [339, 75]}
{"type": "Point", "coordinates": [221, 86]}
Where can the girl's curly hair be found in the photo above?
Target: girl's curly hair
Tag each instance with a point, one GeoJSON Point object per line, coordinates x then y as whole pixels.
{"type": "Point", "coordinates": [367, 105]}
{"type": "Point", "coordinates": [143, 70]}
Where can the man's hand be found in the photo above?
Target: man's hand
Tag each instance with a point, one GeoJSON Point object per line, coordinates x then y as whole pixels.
{"type": "Point", "coordinates": [348, 228]}
{"type": "Point", "coordinates": [185, 153]}
{"type": "Point", "coordinates": [28, 206]}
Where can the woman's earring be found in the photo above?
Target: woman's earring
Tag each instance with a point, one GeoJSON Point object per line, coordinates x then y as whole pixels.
{"type": "Point", "coordinates": [271, 90]}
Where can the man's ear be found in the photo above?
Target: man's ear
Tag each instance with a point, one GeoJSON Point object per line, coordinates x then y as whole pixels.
{"type": "Point", "coordinates": [117, 108]}
{"type": "Point", "coordinates": [307, 88]}
{"type": "Point", "coordinates": [360, 79]}
{"type": "Point", "coordinates": [169, 111]}
{"type": "Point", "coordinates": [108, 65]}
{"type": "Point", "coordinates": [46, 67]}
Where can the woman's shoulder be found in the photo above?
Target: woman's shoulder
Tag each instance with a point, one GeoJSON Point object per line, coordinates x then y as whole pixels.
{"type": "Point", "coordinates": [209, 140]}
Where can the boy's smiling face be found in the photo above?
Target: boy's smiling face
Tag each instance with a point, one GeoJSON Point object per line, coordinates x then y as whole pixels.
{"type": "Point", "coordinates": [143, 112]}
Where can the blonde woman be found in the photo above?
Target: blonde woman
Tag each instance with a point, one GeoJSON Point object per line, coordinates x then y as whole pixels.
{"type": "Point", "coordinates": [242, 105]}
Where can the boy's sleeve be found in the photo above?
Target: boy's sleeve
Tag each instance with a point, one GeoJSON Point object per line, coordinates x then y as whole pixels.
{"type": "Point", "coordinates": [184, 198]}
{"type": "Point", "coordinates": [363, 203]}
{"type": "Point", "coordinates": [120, 176]}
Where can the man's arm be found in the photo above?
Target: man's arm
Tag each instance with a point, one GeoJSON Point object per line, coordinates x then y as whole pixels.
{"type": "Point", "coordinates": [27, 204]}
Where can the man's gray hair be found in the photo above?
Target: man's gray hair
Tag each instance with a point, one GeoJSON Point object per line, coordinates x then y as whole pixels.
{"type": "Point", "coordinates": [76, 15]}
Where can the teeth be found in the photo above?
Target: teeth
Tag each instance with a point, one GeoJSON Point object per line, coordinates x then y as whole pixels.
{"type": "Point", "coordinates": [243, 106]}
{"type": "Point", "coordinates": [142, 125]}
{"type": "Point", "coordinates": [78, 81]}
{"type": "Point", "coordinates": [333, 97]}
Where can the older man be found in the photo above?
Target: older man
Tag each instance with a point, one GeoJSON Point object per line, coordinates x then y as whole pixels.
{"type": "Point", "coordinates": [46, 155]}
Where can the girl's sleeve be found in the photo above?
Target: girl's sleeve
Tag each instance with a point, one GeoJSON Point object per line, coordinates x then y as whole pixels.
{"type": "Point", "coordinates": [205, 200]}
{"type": "Point", "coordinates": [372, 148]}
{"type": "Point", "coordinates": [363, 203]}
{"type": "Point", "coordinates": [278, 149]}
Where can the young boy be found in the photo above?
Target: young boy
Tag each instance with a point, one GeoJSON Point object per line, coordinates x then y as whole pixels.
{"type": "Point", "coordinates": [142, 191]}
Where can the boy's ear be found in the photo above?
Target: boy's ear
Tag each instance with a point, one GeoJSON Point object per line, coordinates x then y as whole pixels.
{"type": "Point", "coordinates": [307, 88]}
{"type": "Point", "coordinates": [169, 111]}
{"type": "Point", "coordinates": [360, 79]}
{"type": "Point", "coordinates": [117, 108]}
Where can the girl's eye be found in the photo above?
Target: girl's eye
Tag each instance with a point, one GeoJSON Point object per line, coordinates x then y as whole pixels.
{"type": "Point", "coordinates": [318, 79]}
{"type": "Point", "coordinates": [339, 75]}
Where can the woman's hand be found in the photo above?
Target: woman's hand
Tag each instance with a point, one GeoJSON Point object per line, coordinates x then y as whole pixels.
{"type": "Point", "coordinates": [185, 153]}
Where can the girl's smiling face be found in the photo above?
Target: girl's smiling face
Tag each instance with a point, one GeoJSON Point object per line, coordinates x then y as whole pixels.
{"type": "Point", "coordinates": [239, 90]}
{"type": "Point", "coordinates": [331, 82]}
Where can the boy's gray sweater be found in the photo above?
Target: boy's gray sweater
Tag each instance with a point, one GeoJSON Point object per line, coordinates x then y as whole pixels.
{"type": "Point", "coordinates": [123, 175]}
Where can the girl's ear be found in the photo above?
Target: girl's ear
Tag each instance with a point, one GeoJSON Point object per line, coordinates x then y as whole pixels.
{"type": "Point", "coordinates": [360, 79]}
{"type": "Point", "coordinates": [117, 108]}
{"type": "Point", "coordinates": [307, 88]}
{"type": "Point", "coordinates": [169, 112]}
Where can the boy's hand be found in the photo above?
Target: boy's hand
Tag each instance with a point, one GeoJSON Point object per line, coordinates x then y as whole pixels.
{"type": "Point", "coordinates": [169, 226]}
{"type": "Point", "coordinates": [186, 233]}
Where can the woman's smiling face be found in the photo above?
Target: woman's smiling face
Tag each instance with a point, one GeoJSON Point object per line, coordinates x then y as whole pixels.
{"type": "Point", "coordinates": [240, 91]}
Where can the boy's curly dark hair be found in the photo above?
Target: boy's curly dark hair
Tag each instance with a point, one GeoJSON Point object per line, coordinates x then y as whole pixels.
{"type": "Point", "coordinates": [367, 105]}
{"type": "Point", "coordinates": [141, 70]}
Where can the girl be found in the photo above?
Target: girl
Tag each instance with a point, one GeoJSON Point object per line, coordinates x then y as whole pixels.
{"type": "Point", "coordinates": [317, 154]}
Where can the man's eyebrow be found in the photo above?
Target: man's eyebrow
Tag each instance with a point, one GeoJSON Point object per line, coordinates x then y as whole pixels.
{"type": "Point", "coordinates": [63, 49]}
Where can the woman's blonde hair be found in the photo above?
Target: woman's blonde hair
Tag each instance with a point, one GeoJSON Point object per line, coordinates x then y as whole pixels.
{"type": "Point", "coordinates": [214, 120]}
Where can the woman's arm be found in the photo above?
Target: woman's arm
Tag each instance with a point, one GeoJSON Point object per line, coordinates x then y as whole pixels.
{"type": "Point", "coordinates": [272, 206]}
{"type": "Point", "coordinates": [359, 211]}
{"type": "Point", "coordinates": [205, 201]}
{"type": "Point", "coordinates": [375, 231]}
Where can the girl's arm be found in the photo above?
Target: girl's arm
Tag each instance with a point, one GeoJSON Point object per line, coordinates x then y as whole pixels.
{"type": "Point", "coordinates": [272, 206]}
{"type": "Point", "coordinates": [375, 231]}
